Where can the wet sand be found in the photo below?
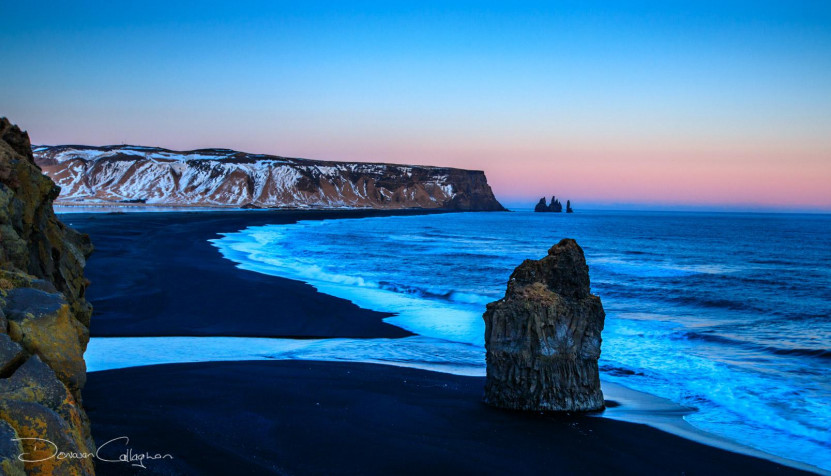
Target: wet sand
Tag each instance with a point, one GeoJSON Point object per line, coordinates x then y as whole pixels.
{"type": "Point", "coordinates": [294, 417]}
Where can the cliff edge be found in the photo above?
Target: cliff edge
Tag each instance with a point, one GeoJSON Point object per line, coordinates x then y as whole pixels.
{"type": "Point", "coordinates": [131, 175]}
{"type": "Point", "coordinates": [44, 321]}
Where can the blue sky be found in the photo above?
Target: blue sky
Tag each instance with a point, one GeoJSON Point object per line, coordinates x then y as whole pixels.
{"type": "Point", "coordinates": [687, 104]}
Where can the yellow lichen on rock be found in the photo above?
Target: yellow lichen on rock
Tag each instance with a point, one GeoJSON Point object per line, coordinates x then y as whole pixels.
{"type": "Point", "coordinates": [44, 323]}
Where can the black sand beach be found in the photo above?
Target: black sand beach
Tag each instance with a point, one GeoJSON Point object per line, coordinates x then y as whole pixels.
{"type": "Point", "coordinates": [155, 274]}
{"type": "Point", "coordinates": [292, 417]}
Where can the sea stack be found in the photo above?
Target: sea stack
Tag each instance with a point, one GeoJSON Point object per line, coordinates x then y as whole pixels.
{"type": "Point", "coordinates": [543, 337]}
{"type": "Point", "coordinates": [555, 206]}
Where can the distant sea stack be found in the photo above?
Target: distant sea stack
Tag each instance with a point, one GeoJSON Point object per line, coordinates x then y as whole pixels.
{"type": "Point", "coordinates": [44, 321]}
{"type": "Point", "coordinates": [555, 206]}
{"type": "Point", "coordinates": [142, 176]}
{"type": "Point", "coordinates": [543, 337]}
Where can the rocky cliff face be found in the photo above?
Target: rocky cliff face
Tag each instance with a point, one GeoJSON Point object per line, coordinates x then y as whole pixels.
{"type": "Point", "coordinates": [221, 177]}
{"type": "Point", "coordinates": [543, 337]}
{"type": "Point", "coordinates": [44, 320]}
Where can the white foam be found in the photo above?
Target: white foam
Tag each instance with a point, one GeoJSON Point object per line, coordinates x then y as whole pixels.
{"type": "Point", "coordinates": [107, 353]}
{"type": "Point", "coordinates": [257, 249]}
{"type": "Point", "coordinates": [738, 397]}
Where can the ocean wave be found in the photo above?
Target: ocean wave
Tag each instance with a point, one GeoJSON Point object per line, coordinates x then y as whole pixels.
{"type": "Point", "coordinates": [616, 371]}
{"type": "Point", "coordinates": [772, 261]}
{"type": "Point", "coordinates": [707, 302]}
{"type": "Point", "coordinates": [814, 353]}
{"type": "Point", "coordinates": [238, 247]}
{"type": "Point", "coordinates": [706, 337]}
{"type": "Point", "coordinates": [817, 353]}
{"type": "Point", "coordinates": [435, 312]}
{"type": "Point", "coordinates": [646, 269]}
{"type": "Point", "coordinates": [734, 396]}
{"type": "Point", "coordinates": [742, 334]}
{"type": "Point", "coordinates": [639, 294]}
{"type": "Point", "coordinates": [437, 293]}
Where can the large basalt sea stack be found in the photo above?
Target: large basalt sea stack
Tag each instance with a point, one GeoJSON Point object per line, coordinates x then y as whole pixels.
{"type": "Point", "coordinates": [44, 321]}
{"type": "Point", "coordinates": [543, 337]}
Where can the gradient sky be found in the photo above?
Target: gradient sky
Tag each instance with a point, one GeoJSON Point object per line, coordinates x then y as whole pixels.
{"type": "Point", "coordinates": [692, 104]}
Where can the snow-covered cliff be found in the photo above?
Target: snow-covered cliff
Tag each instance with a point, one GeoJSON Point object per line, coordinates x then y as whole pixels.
{"type": "Point", "coordinates": [227, 178]}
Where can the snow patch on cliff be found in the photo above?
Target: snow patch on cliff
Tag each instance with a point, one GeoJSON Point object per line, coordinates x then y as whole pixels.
{"type": "Point", "coordinates": [221, 177]}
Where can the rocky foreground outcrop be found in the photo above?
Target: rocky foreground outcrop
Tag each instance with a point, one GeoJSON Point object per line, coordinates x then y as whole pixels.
{"type": "Point", "coordinates": [543, 337]}
{"type": "Point", "coordinates": [227, 178]}
{"type": "Point", "coordinates": [44, 321]}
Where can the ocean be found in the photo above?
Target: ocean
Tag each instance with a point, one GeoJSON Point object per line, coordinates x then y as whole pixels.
{"type": "Point", "coordinates": [726, 313]}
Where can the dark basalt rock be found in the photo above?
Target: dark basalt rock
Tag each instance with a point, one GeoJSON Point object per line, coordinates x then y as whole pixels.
{"type": "Point", "coordinates": [11, 356]}
{"type": "Point", "coordinates": [555, 205]}
{"type": "Point", "coordinates": [9, 448]}
{"type": "Point", "coordinates": [568, 207]}
{"type": "Point", "coordinates": [543, 337]}
{"type": "Point", "coordinates": [44, 320]}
